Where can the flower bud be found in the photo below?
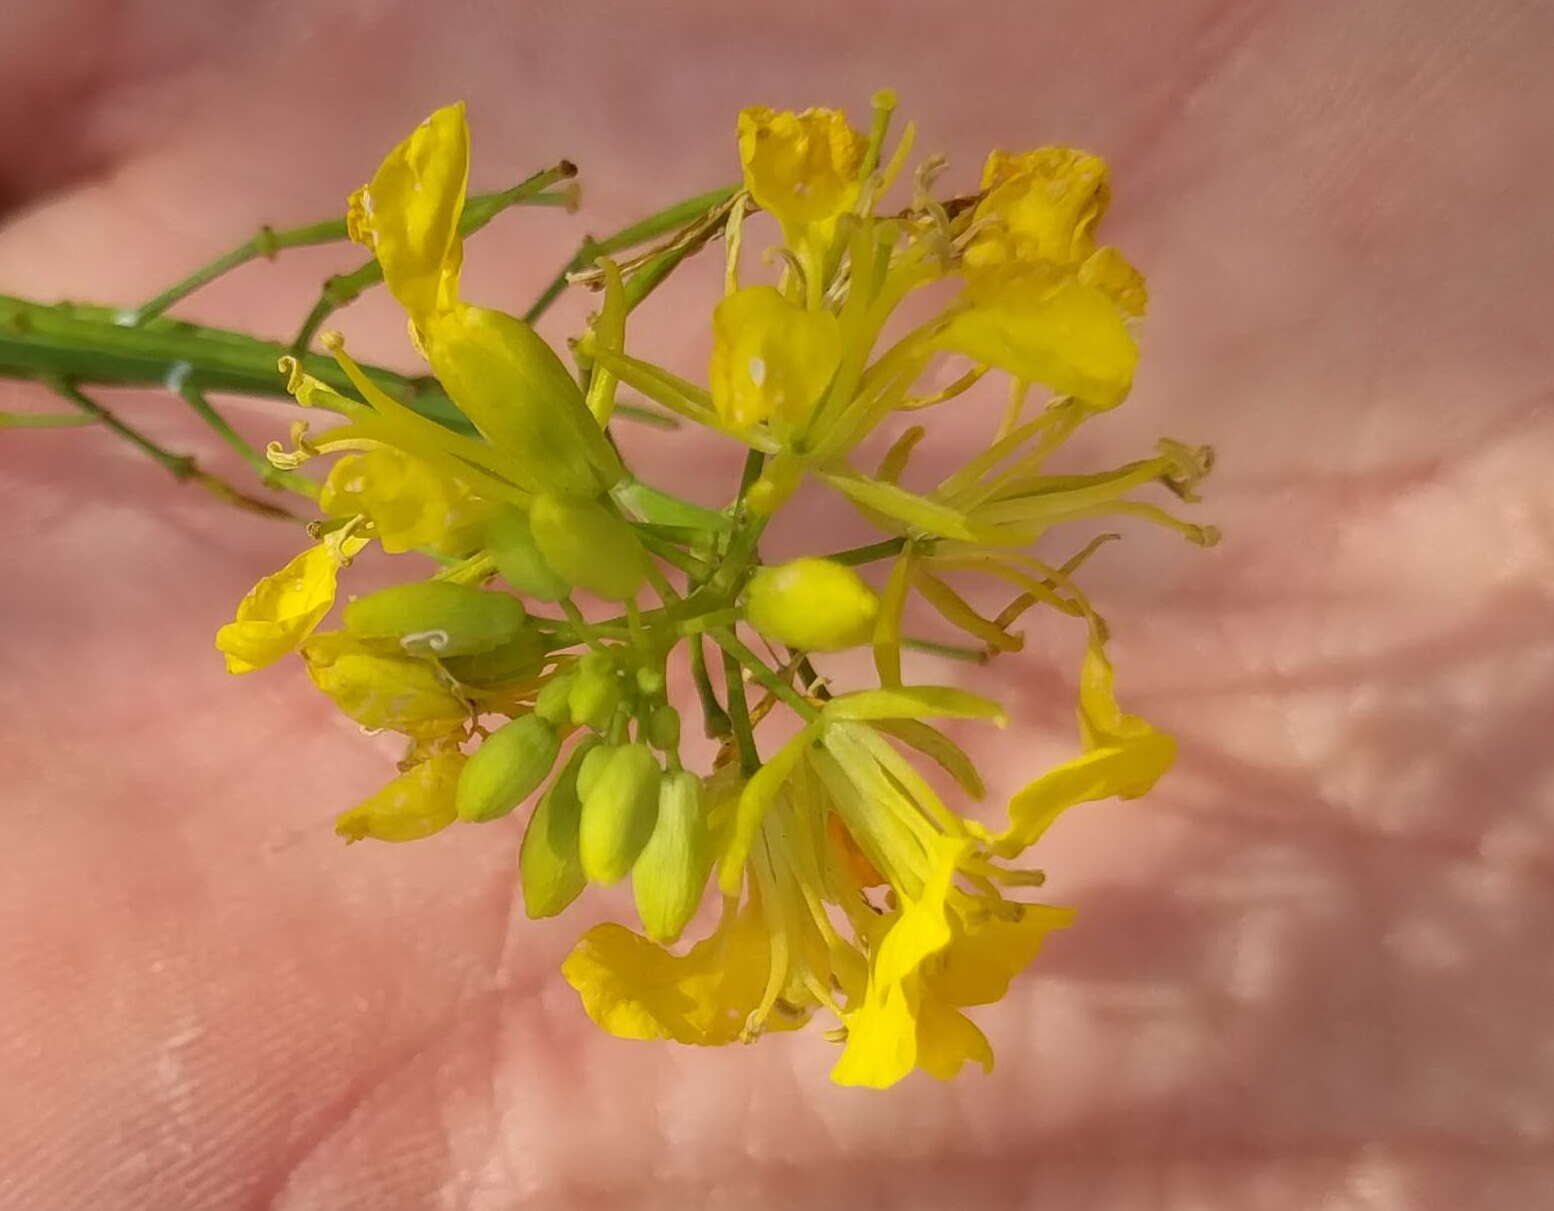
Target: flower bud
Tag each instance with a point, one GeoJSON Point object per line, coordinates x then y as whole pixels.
{"type": "Point", "coordinates": [589, 545]}
{"type": "Point", "coordinates": [549, 867]}
{"type": "Point", "coordinates": [436, 617]}
{"type": "Point", "coordinates": [505, 770]}
{"type": "Point", "coordinates": [671, 873]}
{"type": "Point", "coordinates": [618, 813]}
{"type": "Point", "coordinates": [592, 766]}
{"type": "Point", "coordinates": [816, 605]}
{"type": "Point", "coordinates": [596, 691]}
{"type": "Point", "coordinates": [552, 702]}
{"type": "Point", "coordinates": [519, 659]}
{"type": "Point", "coordinates": [663, 728]}
{"type": "Point", "coordinates": [518, 559]}
{"type": "Point", "coordinates": [415, 805]}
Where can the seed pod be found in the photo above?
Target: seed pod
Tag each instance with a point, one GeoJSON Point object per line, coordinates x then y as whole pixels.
{"type": "Point", "coordinates": [519, 659]}
{"type": "Point", "coordinates": [618, 813]}
{"type": "Point", "coordinates": [663, 728]}
{"type": "Point", "coordinates": [518, 559]}
{"type": "Point", "coordinates": [436, 617]}
{"type": "Point", "coordinates": [596, 691]}
{"type": "Point", "coordinates": [553, 700]}
{"type": "Point", "coordinates": [504, 770]}
{"type": "Point", "coordinates": [589, 545]}
{"type": "Point", "coordinates": [815, 605]}
{"type": "Point", "coordinates": [549, 867]}
{"type": "Point", "coordinates": [671, 873]}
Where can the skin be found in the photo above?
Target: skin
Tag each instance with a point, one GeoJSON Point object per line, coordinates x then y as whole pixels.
{"type": "Point", "coordinates": [1311, 970]}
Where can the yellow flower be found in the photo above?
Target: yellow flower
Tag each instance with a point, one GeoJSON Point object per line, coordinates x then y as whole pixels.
{"type": "Point", "coordinates": [284, 607]}
{"type": "Point", "coordinates": [414, 805]}
{"type": "Point", "coordinates": [1040, 205]}
{"type": "Point", "coordinates": [802, 168]}
{"type": "Point", "coordinates": [498, 371]}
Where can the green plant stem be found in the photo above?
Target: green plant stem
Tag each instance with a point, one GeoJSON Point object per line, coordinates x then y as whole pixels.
{"type": "Point", "coordinates": [949, 651]}
{"type": "Point", "coordinates": [739, 714]}
{"type": "Point", "coordinates": [758, 668]}
{"type": "Point", "coordinates": [854, 556]}
{"type": "Point", "coordinates": [181, 467]}
{"type": "Point", "coordinates": [44, 420]}
{"type": "Point", "coordinates": [274, 476]}
{"type": "Point", "coordinates": [639, 232]}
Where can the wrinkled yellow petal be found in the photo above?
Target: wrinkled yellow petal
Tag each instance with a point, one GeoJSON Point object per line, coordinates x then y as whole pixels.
{"type": "Point", "coordinates": [281, 610]}
{"type": "Point", "coordinates": [946, 1039]}
{"type": "Point", "coordinates": [770, 357]}
{"type": "Point", "coordinates": [380, 690]}
{"type": "Point", "coordinates": [1039, 205]}
{"type": "Point", "coordinates": [1047, 330]}
{"type": "Point", "coordinates": [1108, 270]}
{"type": "Point", "coordinates": [882, 1043]}
{"type": "Point", "coordinates": [636, 989]}
{"type": "Point", "coordinates": [408, 214]}
{"type": "Point", "coordinates": [802, 168]}
{"type": "Point", "coordinates": [975, 969]}
{"type": "Point", "coordinates": [409, 503]}
{"type": "Point", "coordinates": [415, 805]}
{"type": "Point", "coordinates": [1125, 757]}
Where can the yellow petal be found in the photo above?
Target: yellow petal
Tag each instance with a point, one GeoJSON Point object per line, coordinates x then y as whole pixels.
{"type": "Point", "coordinates": [635, 989]}
{"type": "Point", "coordinates": [409, 503]}
{"type": "Point", "coordinates": [1049, 330]}
{"type": "Point", "coordinates": [1125, 757]}
{"type": "Point", "coordinates": [1039, 205]}
{"type": "Point", "coordinates": [1110, 271]}
{"type": "Point", "coordinates": [770, 357]}
{"type": "Point", "coordinates": [882, 1044]}
{"type": "Point", "coordinates": [414, 805]}
{"type": "Point", "coordinates": [802, 168]}
{"type": "Point", "coordinates": [977, 966]}
{"type": "Point", "coordinates": [281, 611]}
{"type": "Point", "coordinates": [946, 1039]}
{"type": "Point", "coordinates": [378, 690]}
{"type": "Point", "coordinates": [408, 214]}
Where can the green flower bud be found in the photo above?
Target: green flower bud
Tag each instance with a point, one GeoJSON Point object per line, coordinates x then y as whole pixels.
{"type": "Point", "coordinates": [511, 544]}
{"type": "Point", "coordinates": [589, 545]}
{"type": "Point", "coordinates": [549, 867]}
{"type": "Point", "coordinates": [663, 728]}
{"type": "Point", "coordinates": [552, 702]}
{"type": "Point", "coordinates": [507, 768]}
{"type": "Point", "coordinates": [519, 659]}
{"type": "Point", "coordinates": [592, 766]}
{"type": "Point", "coordinates": [618, 813]}
{"type": "Point", "coordinates": [816, 605]}
{"type": "Point", "coordinates": [596, 691]}
{"type": "Point", "coordinates": [436, 617]}
{"type": "Point", "coordinates": [671, 872]}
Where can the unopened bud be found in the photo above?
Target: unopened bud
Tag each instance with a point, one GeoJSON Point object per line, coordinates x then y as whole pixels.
{"type": "Point", "coordinates": [549, 867]}
{"type": "Point", "coordinates": [552, 702]}
{"type": "Point", "coordinates": [663, 728]}
{"type": "Point", "coordinates": [436, 617]}
{"type": "Point", "coordinates": [519, 659]}
{"type": "Point", "coordinates": [505, 770]}
{"type": "Point", "coordinates": [815, 605]}
{"type": "Point", "coordinates": [589, 545]}
{"type": "Point", "coordinates": [671, 872]}
{"type": "Point", "coordinates": [511, 544]}
{"type": "Point", "coordinates": [592, 766]}
{"type": "Point", "coordinates": [618, 813]}
{"type": "Point", "coordinates": [596, 691]}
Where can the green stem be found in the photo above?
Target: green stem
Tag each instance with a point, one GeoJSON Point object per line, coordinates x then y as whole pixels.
{"type": "Point", "coordinates": [627, 237]}
{"type": "Point", "coordinates": [854, 556]}
{"type": "Point", "coordinates": [948, 650]}
{"type": "Point", "coordinates": [274, 476]}
{"type": "Point", "coordinates": [739, 713]}
{"type": "Point", "coordinates": [44, 420]}
{"type": "Point", "coordinates": [734, 650]}
{"type": "Point", "coordinates": [715, 720]}
{"type": "Point", "coordinates": [181, 467]}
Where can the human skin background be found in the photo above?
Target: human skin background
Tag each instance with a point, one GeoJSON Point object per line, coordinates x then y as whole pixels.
{"type": "Point", "coordinates": [1312, 970]}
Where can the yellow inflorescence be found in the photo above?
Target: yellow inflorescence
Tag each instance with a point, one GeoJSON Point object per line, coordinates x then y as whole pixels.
{"type": "Point", "coordinates": [844, 881]}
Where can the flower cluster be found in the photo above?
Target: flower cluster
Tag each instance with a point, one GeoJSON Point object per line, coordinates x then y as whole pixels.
{"type": "Point", "coordinates": [843, 881]}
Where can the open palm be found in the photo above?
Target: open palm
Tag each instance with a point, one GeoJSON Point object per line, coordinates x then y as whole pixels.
{"type": "Point", "coordinates": [1311, 970]}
